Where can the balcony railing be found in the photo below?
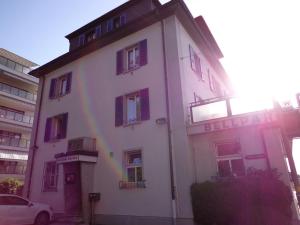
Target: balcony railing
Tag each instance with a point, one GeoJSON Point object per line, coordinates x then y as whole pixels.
{"type": "Point", "coordinates": [10, 115]}
{"type": "Point", "coordinates": [221, 108]}
{"type": "Point", "coordinates": [14, 142]}
{"type": "Point", "coordinates": [17, 92]}
{"type": "Point", "coordinates": [11, 169]}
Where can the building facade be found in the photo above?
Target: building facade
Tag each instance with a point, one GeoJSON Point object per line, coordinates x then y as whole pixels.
{"type": "Point", "coordinates": [113, 116]}
{"type": "Point", "coordinates": [18, 92]}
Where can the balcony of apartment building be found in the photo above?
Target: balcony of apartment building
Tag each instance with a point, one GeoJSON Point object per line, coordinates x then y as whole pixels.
{"type": "Point", "coordinates": [12, 169]}
{"type": "Point", "coordinates": [13, 141]}
{"type": "Point", "coordinates": [16, 86]}
{"type": "Point", "coordinates": [11, 118]}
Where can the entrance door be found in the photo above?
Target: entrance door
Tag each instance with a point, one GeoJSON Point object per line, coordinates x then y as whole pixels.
{"type": "Point", "coordinates": [72, 188]}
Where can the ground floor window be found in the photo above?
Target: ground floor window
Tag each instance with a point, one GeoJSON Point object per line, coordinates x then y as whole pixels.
{"type": "Point", "coordinates": [133, 170]}
{"type": "Point", "coordinates": [50, 176]}
{"type": "Point", "coordinates": [229, 159]}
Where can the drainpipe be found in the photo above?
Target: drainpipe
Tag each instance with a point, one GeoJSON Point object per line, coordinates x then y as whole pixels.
{"type": "Point", "coordinates": [35, 147]}
{"type": "Point", "coordinates": [173, 187]}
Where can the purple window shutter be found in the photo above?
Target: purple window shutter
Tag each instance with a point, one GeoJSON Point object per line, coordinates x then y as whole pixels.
{"type": "Point", "coordinates": [69, 82]}
{"type": "Point", "coordinates": [143, 52]}
{"type": "Point", "coordinates": [123, 19]}
{"type": "Point", "coordinates": [52, 88]}
{"type": "Point", "coordinates": [119, 111]}
{"type": "Point", "coordinates": [120, 63]}
{"type": "Point", "coordinates": [145, 106]}
{"type": "Point", "coordinates": [48, 130]}
{"type": "Point", "coordinates": [64, 125]}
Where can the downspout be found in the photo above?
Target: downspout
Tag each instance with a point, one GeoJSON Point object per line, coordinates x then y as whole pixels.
{"type": "Point", "coordinates": [35, 147]}
{"type": "Point", "coordinates": [173, 187]}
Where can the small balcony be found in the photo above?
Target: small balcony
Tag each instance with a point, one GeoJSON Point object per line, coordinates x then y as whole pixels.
{"type": "Point", "coordinates": [14, 142]}
{"type": "Point", "coordinates": [215, 115]}
{"type": "Point", "coordinates": [17, 92]}
{"type": "Point", "coordinates": [13, 169]}
{"type": "Point", "coordinates": [15, 117]}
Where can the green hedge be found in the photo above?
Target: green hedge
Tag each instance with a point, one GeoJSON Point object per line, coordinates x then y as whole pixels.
{"type": "Point", "coordinates": [259, 198]}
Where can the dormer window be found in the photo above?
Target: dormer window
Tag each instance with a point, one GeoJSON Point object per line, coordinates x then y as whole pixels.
{"type": "Point", "coordinates": [116, 22]}
{"type": "Point", "coordinates": [90, 36]}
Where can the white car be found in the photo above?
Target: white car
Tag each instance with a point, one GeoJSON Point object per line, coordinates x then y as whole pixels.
{"type": "Point", "coordinates": [15, 210]}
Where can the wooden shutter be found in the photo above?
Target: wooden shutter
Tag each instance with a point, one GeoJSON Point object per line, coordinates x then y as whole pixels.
{"type": "Point", "coordinates": [120, 63]}
{"type": "Point", "coordinates": [69, 82]}
{"type": "Point", "coordinates": [64, 125]}
{"type": "Point", "coordinates": [48, 130]}
{"type": "Point", "coordinates": [119, 111]}
{"type": "Point", "coordinates": [143, 52]}
{"type": "Point", "coordinates": [145, 106]}
{"type": "Point", "coordinates": [109, 25]}
{"type": "Point", "coordinates": [122, 19]}
{"type": "Point", "coordinates": [52, 88]}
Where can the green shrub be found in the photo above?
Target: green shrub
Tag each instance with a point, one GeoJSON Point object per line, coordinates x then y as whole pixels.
{"type": "Point", "coordinates": [259, 198]}
{"type": "Point", "coordinates": [11, 186]}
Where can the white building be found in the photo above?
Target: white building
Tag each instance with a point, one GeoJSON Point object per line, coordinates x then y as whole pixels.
{"type": "Point", "coordinates": [18, 92]}
{"type": "Point", "coordinates": [113, 116]}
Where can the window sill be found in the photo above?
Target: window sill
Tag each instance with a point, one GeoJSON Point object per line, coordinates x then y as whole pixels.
{"type": "Point", "coordinates": [131, 69]}
{"type": "Point", "coordinates": [54, 189]}
{"type": "Point", "coordinates": [132, 185]}
{"type": "Point", "coordinates": [132, 123]}
{"type": "Point", "coordinates": [59, 96]}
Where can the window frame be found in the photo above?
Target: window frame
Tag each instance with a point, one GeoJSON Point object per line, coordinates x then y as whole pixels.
{"type": "Point", "coordinates": [57, 87]}
{"type": "Point", "coordinates": [136, 59]}
{"type": "Point", "coordinates": [52, 176]}
{"type": "Point", "coordinates": [137, 97]}
{"type": "Point", "coordinates": [230, 158]}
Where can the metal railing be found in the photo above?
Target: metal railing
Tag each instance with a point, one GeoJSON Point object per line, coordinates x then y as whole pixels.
{"type": "Point", "coordinates": [14, 142]}
{"type": "Point", "coordinates": [12, 169]}
{"type": "Point", "coordinates": [11, 115]}
{"type": "Point", "coordinates": [17, 92]}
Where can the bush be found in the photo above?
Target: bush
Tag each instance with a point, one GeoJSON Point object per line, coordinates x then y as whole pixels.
{"type": "Point", "coordinates": [11, 186]}
{"type": "Point", "coordinates": [259, 198]}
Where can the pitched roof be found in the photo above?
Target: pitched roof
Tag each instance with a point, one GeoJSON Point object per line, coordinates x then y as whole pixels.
{"type": "Point", "coordinates": [173, 7]}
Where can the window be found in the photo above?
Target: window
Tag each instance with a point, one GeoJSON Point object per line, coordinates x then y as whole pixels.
{"type": "Point", "coordinates": [60, 86]}
{"type": "Point", "coordinates": [12, 200]}
{"type": "Point", "coordinates": [133, 170]}
{"type": "Point", "coordinates": [229, 159]}
{"type": "Point", "coordinates": [132, 108]}
{"type": "Point", "coordinates": [195, 62]}
{"type": "Point", "coordinates": [132, 57]}
{"type": "Point", "coordinates": [90, 36]}
{"type": "Point", "coordinates": [56, 127]}
{"type": "Point", "coordinates": [116, 23]}
{"type": "Point", "coordinates": [50, 176]}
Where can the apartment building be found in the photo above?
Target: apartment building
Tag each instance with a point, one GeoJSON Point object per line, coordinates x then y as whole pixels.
{"type": "Point", "coordinates": [114, 117]}
{"type": "Point", "coordinates": [18, 91]}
